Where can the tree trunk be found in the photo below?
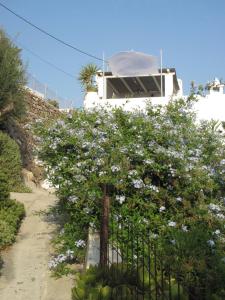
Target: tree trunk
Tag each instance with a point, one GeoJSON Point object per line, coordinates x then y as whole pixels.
{"type": "Point", "coordinates": [194, 295]}
{"type": "Point", "coordinates": [104, 230]}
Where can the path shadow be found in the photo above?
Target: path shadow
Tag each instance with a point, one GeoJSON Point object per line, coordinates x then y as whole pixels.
{"type": "Point", "coordinates": [53, 215]}
{"type": "Point", "coordinates": [1, 265]}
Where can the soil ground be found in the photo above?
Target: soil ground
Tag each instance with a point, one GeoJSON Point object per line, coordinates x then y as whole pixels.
{"type": "Point", "coordinates": [25, 274]}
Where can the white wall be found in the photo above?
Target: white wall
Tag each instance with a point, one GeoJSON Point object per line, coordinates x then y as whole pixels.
{"type": "Point", "coordinates": [211, 107]}
{"type": "Point", "coordinates": [168, 85]}
{"type": "Point", "coordinates": [180, 83]}
{"type": "Point", "coordinates": [92, 101]}
{"type": "Point", "coordinates": [207, 108]}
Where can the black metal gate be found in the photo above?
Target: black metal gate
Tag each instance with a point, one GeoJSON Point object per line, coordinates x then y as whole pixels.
{"type": "Point", "coordinates": [136, 267]}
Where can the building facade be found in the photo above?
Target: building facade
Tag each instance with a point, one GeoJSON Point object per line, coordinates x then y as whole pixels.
{"type": "Point", "coordinates": [136, 92]}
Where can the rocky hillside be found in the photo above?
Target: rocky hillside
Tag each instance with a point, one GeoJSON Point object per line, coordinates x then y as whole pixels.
{"type": "Point", "coordinates": [37, 109]}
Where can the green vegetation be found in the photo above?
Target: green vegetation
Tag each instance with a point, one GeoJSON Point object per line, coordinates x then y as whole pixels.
{"type": "Point", "coordinates": [118, 283]}
{"type": "Point", "coordinates": [12, 80]}
{"type": "Point", "coordinates": [87, 76]}
{"type": "Point", "coordinates": [161, 170]}
{"type": "Point", "coordinates": [54, 103]}
{"type": "Point", "coordinates": [4, 187]}
{"type": "Point", "coordinates": [10, 163]}
{"type": "Point", "coordinates": [11, 214]}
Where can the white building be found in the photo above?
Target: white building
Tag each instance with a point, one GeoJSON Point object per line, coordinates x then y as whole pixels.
{"type": "Point", "coordinates": [212, 105]}
{"type": "Point", "coordinates": [135, 91]}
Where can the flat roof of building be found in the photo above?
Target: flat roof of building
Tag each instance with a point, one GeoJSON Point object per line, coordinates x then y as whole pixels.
{"type": "Point", "coordinates": [142, 84]}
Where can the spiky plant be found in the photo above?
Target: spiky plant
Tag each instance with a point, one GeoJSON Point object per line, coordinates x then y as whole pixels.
{"type": "Point", "coordinates": [86, 77]}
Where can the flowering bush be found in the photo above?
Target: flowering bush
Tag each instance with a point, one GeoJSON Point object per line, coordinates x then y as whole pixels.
{"type": "Point", "coordinates": [161, 169]}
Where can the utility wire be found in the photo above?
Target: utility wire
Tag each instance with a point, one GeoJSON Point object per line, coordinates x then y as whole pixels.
{"type": "Point", "coordinates": [49, 63]}
{"type": "Point", "coordinates": [49, 34]}
{"type": "Point", "coordinates": [44, 60]}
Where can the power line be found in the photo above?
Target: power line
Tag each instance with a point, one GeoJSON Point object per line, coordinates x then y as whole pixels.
{"type": "Point", "coordinates": [49, 63]}
{"type": "Point", "coordinates": [44, 60]}
{"type": "Point", "coordinates": [49, 34]}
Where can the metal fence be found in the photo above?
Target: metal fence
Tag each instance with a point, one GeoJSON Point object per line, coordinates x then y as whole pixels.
{"type": "Point", "coordinates": [42, 90]}
{"type": "Point", "coordinates": [137, 269]}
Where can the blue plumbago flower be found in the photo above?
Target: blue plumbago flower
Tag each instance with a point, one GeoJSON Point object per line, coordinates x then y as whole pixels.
{"type": "Point", "coordinates": [132, 173]}
{"type": "Point", "coordinates": [69, 254]}
{"type": "Point", "coordinates": [53, 263]}
{"type": "Point", "coordinates": [152, 144]}
{"type": "Point", "coordinates": [157, 126]}
{"type": "Point", "coordinates": [162, 208]}
{"type": "Point", "coordinates": [213, 207]}
{"type": "Point", "coordinates": [99, 162]}
{"type": "Point", "coordinates": [211, 243]}
{"type": "Point", "coordinates": [102, 173]}
{"type": "Point", "coordinates": [172, 224]}
{"type": "Point", "coordinates": [152, 187]}
{"type": "Point", "coordinates": [184, 228]}
{"type": "Point", "coordinates": [217, 232]}
{"type": "Point", "coordinates": [148, 161]}
{"type": "Point", "coordinates": [179, 199]}
{"type": "Point", "coordinates": [120, 198]}
{"type": "Point", "coordinates": [172, 172]}
{"type": "Point", "coordinates": [72, 199]}
{"type": "Point", "coordinates": [114, 127]}
{"type": "Point", "coordinates": [138, 183]}
{"type": "Point", "coordinates": [115, 168]}
{"type": "Point", "coordinates": [222, 162]}
{"type": "Point", "coordinates": [98, 122]}
{"type": "Point", "coordinates": [123, 150]}
{"type": "Point", "coordinates": [80, 244]}
{"type": "Point", "coordinates": [80, 178]}
{"type": "Point", "coordinates": [173, 242]}
{"type": "Point", "coordinates": [220, 216]}
{"type": "Point", "coordinates": [154, 235]}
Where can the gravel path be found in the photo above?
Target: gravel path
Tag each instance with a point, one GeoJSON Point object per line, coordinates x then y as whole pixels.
{"type": "Point", "coordinates": [25, 275]}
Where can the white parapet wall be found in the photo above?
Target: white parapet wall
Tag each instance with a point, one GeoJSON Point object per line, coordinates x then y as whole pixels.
{"type": "Point", "coordinates": [129, 104]}
{"type": "Point", "coordinates": [208, 107]}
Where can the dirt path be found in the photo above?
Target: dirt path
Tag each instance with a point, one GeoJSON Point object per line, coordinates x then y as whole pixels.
{"type": "Point", "coordinates": [25, 275]}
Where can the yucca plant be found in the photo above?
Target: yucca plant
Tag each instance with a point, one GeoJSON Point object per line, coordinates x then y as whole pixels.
{"type": "Point", "coordinates": [86, 78]}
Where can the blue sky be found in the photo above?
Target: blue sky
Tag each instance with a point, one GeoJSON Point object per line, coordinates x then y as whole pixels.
{"type": "Point", "coordinates": [190, 32]}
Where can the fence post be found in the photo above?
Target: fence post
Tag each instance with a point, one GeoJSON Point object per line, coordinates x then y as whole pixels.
{"type": "Point", "coordinates": [45, 91]}
{"type": "Point", "coordinates": [104, 230]}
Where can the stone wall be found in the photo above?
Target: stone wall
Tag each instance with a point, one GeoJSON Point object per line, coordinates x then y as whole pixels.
{"type": "Point", "coordinates": [37, 109]}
